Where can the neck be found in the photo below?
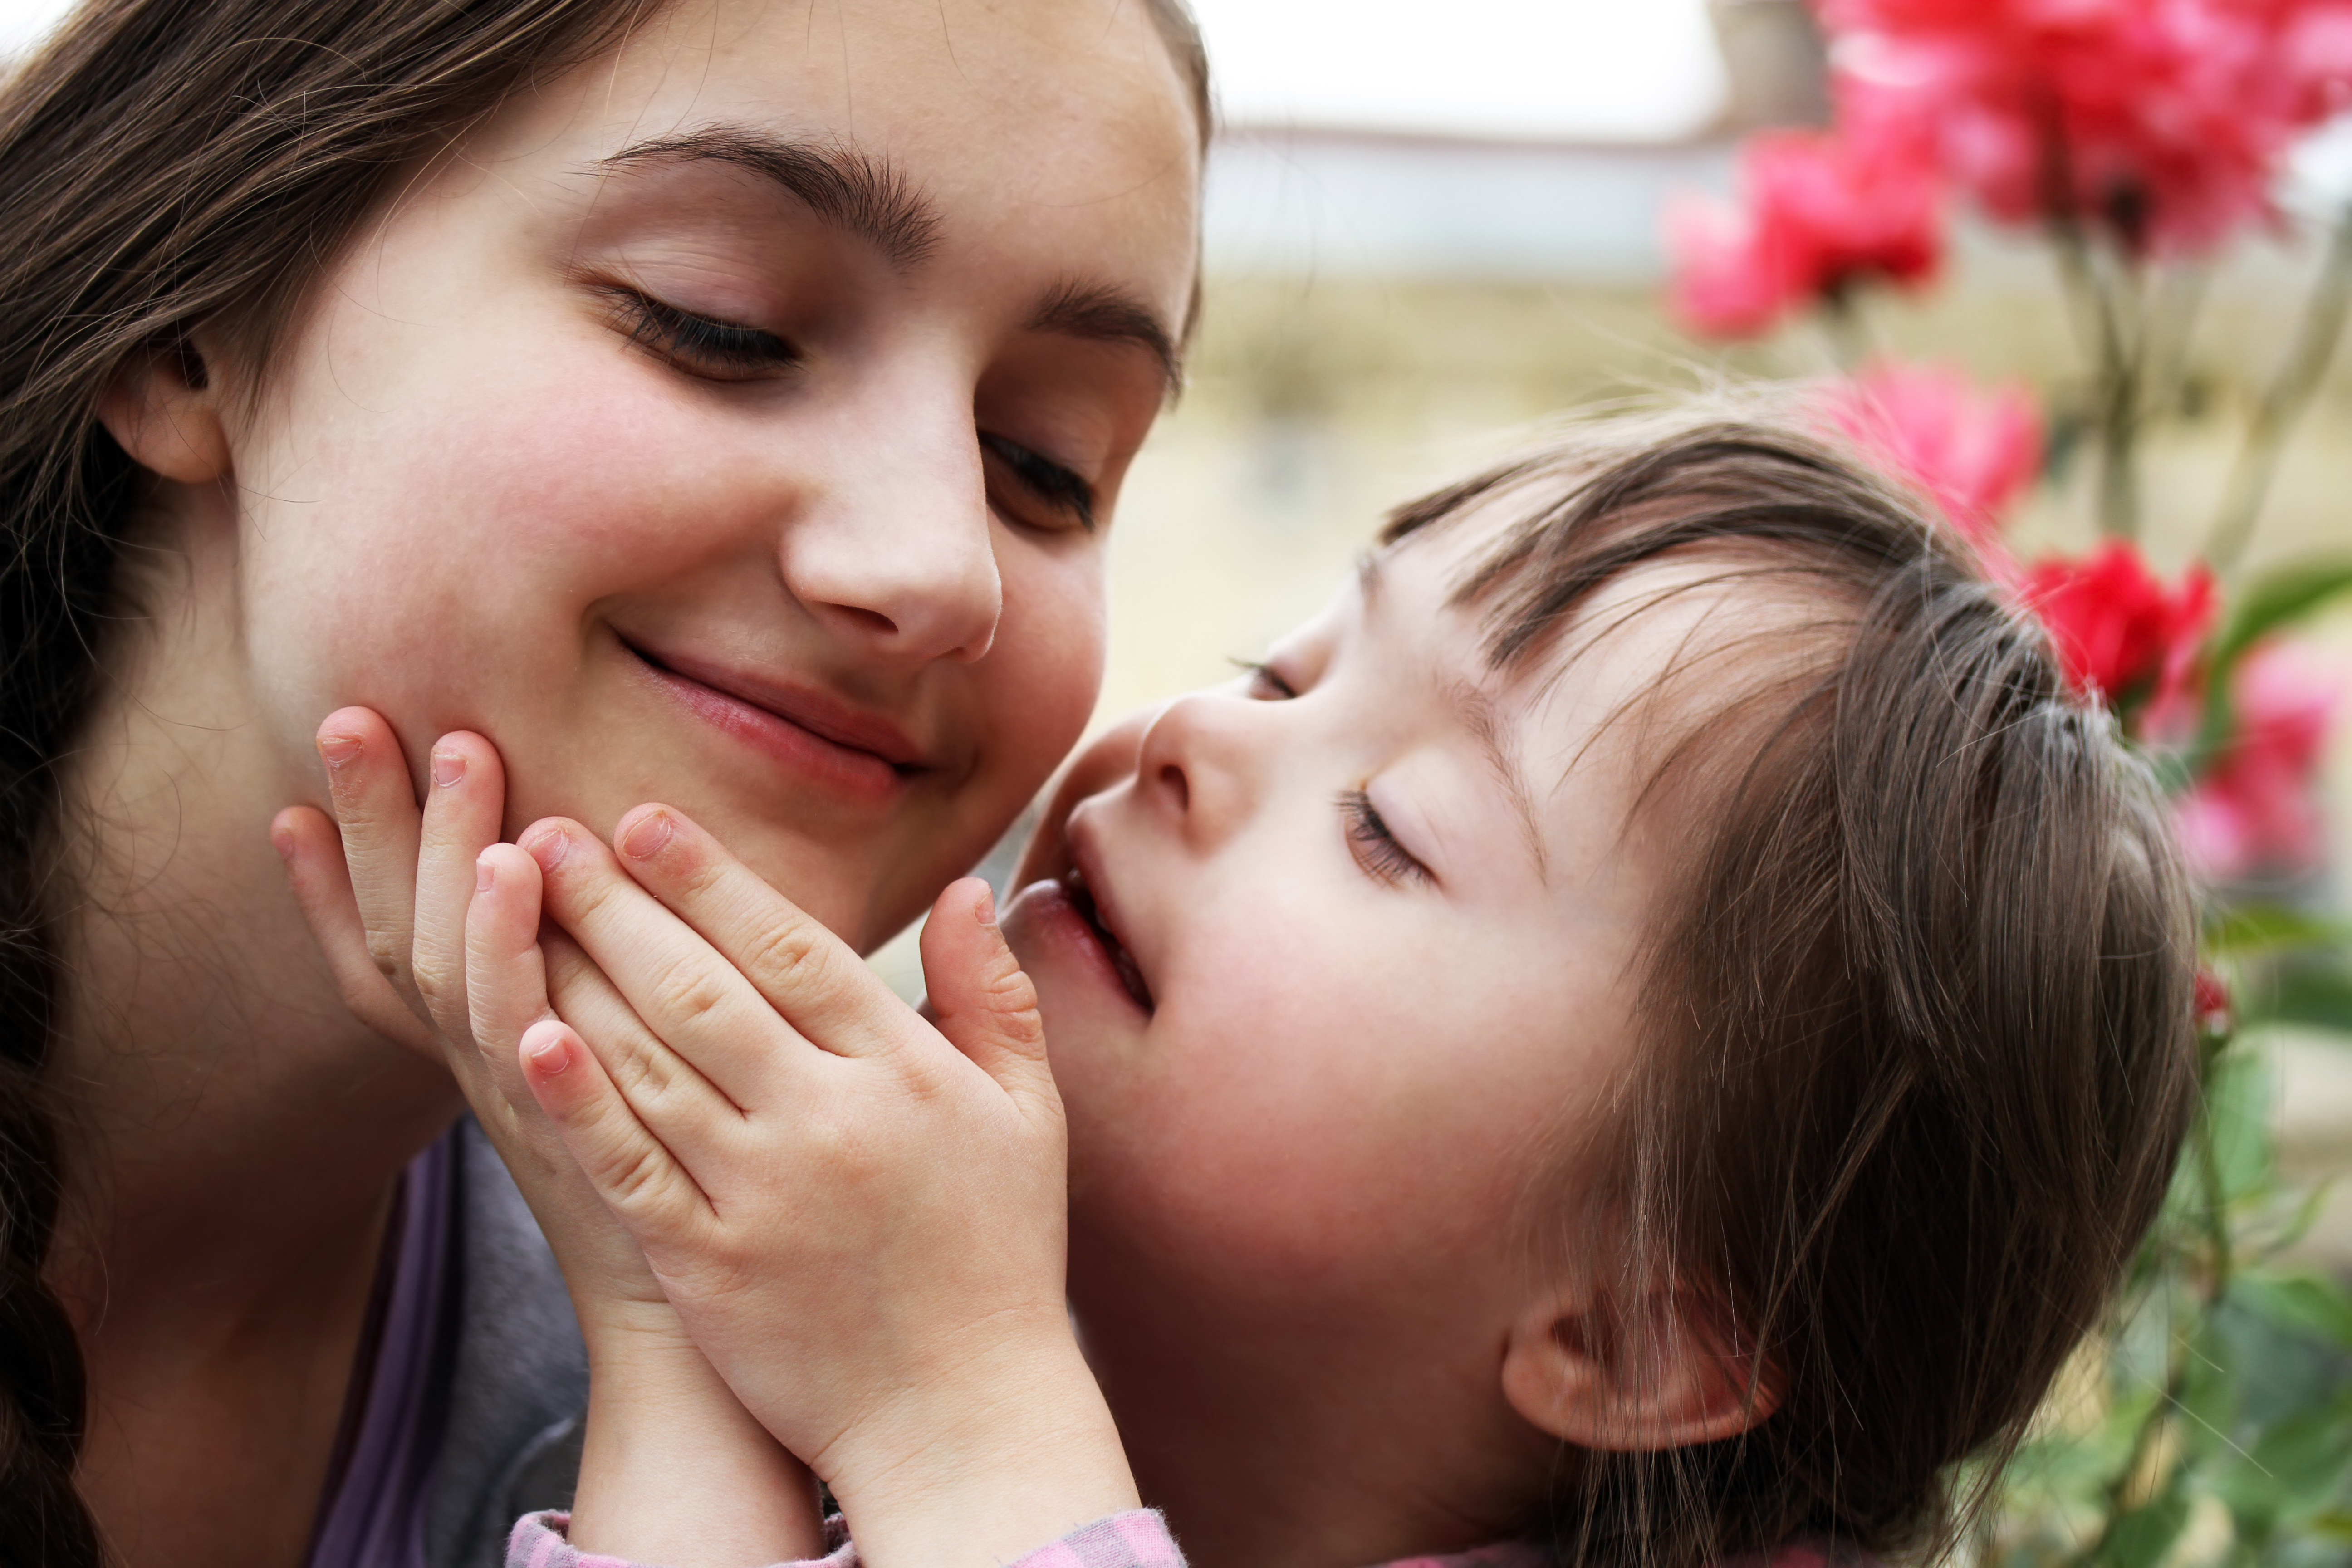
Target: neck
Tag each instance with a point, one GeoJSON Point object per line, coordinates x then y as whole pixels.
{"type": "Point", "coordinates": [231, 1134]}
{"type": "Point", "coordinates": [1284, 1440]}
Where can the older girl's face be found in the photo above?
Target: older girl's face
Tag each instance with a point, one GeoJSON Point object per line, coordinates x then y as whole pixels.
{"type": "Point", "coordinates": [736, 422]}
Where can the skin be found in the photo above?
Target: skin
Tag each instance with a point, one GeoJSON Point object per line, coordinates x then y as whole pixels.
{"type": "Point", "coordinates": [1305, 1159]}
{"type": "Point", "coordinates": [480, 484]}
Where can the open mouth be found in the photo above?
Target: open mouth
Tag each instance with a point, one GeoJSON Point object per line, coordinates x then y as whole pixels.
{"type": "Point", "coordinates": [1123, 963]}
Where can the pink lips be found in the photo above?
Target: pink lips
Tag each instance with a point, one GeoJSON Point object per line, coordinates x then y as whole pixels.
{"type": "Point", "coordinates": [858, 754]}
{"type": "Point", "coordinates": [1087, 894]}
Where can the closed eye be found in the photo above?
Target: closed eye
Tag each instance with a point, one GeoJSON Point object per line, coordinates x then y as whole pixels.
{"type": "Point", "coordinates": [1064, 493]}
{"type": "Point", "coordinates": [699, 345]}
{"type": "Point", "coordinates": [1375, 847]}
{"type": "Point", "coordinates": [1265, 682]}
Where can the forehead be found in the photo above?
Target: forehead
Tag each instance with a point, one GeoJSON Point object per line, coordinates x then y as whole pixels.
{"type": "Point", "coordinates": [1580, 727]}
{"type": "Point", "coordinates": [1069, 114]}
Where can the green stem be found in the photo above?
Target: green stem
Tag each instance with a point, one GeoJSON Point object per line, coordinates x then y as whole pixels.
{"type": "Point", "coordinates": [2117, 401]}
{"type": "Point", "coordinates": [1847, 333]}
{"type": "Point", "coordinates": [2283, 406]}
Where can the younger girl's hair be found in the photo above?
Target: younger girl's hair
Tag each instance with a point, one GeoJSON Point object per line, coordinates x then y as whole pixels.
{"type": "Point", "coordinates": [1918, 1050]}
{"type": "Point", "coordinates": [164, 163]}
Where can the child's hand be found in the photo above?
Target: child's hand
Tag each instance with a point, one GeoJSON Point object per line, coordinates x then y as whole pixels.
{"type": "Point", "coordinates": [387, 899]}
{"type": "Point", "coordinates": [432, 928]}
{"type": "Point", "coordinates": [860, 1216]}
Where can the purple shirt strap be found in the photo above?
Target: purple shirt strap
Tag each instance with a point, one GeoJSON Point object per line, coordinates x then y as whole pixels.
{"type": "Point", "coordinates": [1136, 1539]}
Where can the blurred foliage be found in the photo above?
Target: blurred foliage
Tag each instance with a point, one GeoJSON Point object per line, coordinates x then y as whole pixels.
{"type": "Point", "coordinates": [2210, 1426]}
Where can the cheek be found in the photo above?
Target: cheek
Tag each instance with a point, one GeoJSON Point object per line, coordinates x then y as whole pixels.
{"type": "Point", "coordinates": [438, 515]}
{"type": "Point", "coordinates": [1325, 1119]}
{"type": "Point", "coordinates": [1041, 677]}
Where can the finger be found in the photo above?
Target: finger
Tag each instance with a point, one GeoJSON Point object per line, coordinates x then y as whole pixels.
{"type": "Point", "coordinates": [464, 802]}
{"type": "Point", "coordinates": [313, 854]}
{"type": "Point", "coordinates": [506, 973]}
{"type": "Point", "coordinates": [623, 1160]}
{"type": "Point", "coordinates": [684, 990]}
{"type": "Point", "coordinates": [375, 809]}
{"type": "Point", "coordinates": [682, 1108]}
{"type": "Point", "coordinates": [800, 969]}
{"type": "Point", "coordinates": [981, 999]}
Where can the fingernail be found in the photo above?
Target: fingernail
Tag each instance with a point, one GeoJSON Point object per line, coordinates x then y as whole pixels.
{"type": "Point", "coordinates": [646, 836]}
{"type": "Point", "coordinates": [550, 1055]}
{"type": "Point", "coordinates": [338, 749]}
{"type": "Point", "coordinates": [283, 842]}
{"type": "Point", "coordinates": [549, 847]}
{"type": "Point", "coordinates": [449, 767]}
{"type": "Point", "coordinates": [485, 872]}
{"type": "Point", "coordinates": [985, 911]}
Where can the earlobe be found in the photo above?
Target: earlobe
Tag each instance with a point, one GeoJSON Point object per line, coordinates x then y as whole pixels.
{"type": "Point", "coordinates": [162, 408]}
{"type": "Point", "coordinates": [1665, 1377]}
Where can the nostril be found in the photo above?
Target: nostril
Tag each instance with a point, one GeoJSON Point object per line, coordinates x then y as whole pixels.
{"type": "Point", "coordinates": [873, 621]}
{"type": "Point", "coordinates": [1172, 777]}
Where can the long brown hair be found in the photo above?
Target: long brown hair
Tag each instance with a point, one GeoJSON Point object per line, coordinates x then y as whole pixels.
{"type": "Point", "coordinates": [163, 163]}
{"type": "Point", "coordinates": [1918, 1049]}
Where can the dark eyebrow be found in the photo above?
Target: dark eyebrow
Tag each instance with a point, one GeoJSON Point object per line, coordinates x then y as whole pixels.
{"type": "Point", "coordinates": [866, 195]}
{"type": "Point", "coordinates": [1105, 315]}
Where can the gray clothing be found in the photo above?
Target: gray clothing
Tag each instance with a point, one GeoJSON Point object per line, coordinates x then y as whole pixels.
{"type": "Point", "coordinates": [518, 1398]}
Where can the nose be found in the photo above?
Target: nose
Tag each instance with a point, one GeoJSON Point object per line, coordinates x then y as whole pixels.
{"type": "Point", "coordinates": [1201, 765]}
{"type": "Point", "coordinates": [894, 549]}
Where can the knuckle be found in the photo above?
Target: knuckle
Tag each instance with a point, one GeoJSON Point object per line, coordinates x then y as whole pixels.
{"type": "Point", "coordinates": [687, 990]}
{"type": "Point", "coordinates": [790, 956]}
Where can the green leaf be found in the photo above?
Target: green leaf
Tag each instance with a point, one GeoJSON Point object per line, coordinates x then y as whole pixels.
{"type": "Point", "coordinates": [2268, 603]}
{"type": "Point", "coordinates": [2277, 597]}
{"type": "Point", "coordinates": [2315, 993]}
{"type": "Point", "coordinates": [2142, 1537]}
{"type": "Point", "coordinates": [2308, 1304]}
{"type": "Point", "coordinates": [2254, 927]}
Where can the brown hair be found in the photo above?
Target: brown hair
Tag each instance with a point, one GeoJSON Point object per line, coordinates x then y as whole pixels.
{"type": "Point", "coordinates": [162, 164]}
{"type": "Point", "coordinates": [1919, 1049]}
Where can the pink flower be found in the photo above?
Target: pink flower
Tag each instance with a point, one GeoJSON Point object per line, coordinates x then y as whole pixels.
{"type": "Point", "coordinates": [2119, 631]}
{"type": "Point", "coordinates": [1972, 453]}
{"type": "Point", "coordinates": [2162, 121]}
{"type": "Point", "coordinates": [1816, 216]}
{"type": "Point", "coordinates": [2257, 809]}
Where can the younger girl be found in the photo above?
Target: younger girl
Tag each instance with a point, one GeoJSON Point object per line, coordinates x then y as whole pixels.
{"type": "Point", "coordinates": [1647, 1033]}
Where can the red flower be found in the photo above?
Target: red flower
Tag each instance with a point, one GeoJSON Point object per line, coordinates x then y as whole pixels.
{"type": "Point", "coordinates": [1972, 453]}
{"type": "Point", "coordinates": [2212, 1002]}
{"type": "Point", "coordinates": [2163, 121]}
{"type": "Point", "coordinates": [2257, 809]}
{"type": "Point", "coordinates": [1816, 216]}
{"type": "Point", "coordinates": [2119, 631]}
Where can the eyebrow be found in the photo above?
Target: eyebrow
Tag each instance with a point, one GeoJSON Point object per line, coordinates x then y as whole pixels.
{"type": "Point", "coordinates": [1480, 718]}
{"type": "Point", "coordinates": [1105, 315]}
{"type": "Point", "coordinates": [852, 189]}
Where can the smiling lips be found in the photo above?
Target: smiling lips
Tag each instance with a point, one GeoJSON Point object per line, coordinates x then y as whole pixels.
{"type": "Point", "coordinates": [857, 754]}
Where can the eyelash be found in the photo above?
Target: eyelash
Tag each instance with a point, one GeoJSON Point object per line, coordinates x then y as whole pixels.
{"type": "Point", "coordinates": [729, 350]}
{"type": "Point", "coordinates": [698, 344]}
{"type": "Point", "coordinates": [1267, 675]}
{"type": "Point", "coordinates": [1056, 485]}
{"type": "Point", "coordinates": [1376, 848]}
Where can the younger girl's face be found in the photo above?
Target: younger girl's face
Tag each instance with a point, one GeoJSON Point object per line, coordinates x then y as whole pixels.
{"type": "Point", "coordinates": [1330, 957]}
{"type": "Point", "coordinates": [735, 423]}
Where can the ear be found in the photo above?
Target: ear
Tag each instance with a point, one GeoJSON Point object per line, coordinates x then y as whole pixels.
{"type": "Point", "coordinates": [1664, 1376]}
{"type": "Point", "coordinates": [163, 408]}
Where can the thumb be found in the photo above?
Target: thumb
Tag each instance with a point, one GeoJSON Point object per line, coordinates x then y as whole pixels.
{"type": "Point", "coordinates": [980, 996]}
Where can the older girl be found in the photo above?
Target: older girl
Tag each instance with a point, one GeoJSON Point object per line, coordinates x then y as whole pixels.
{"type": "Point", "coordinates": [1644, 1035]}
{"type": "Point", "coordinates": [720, 400]}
